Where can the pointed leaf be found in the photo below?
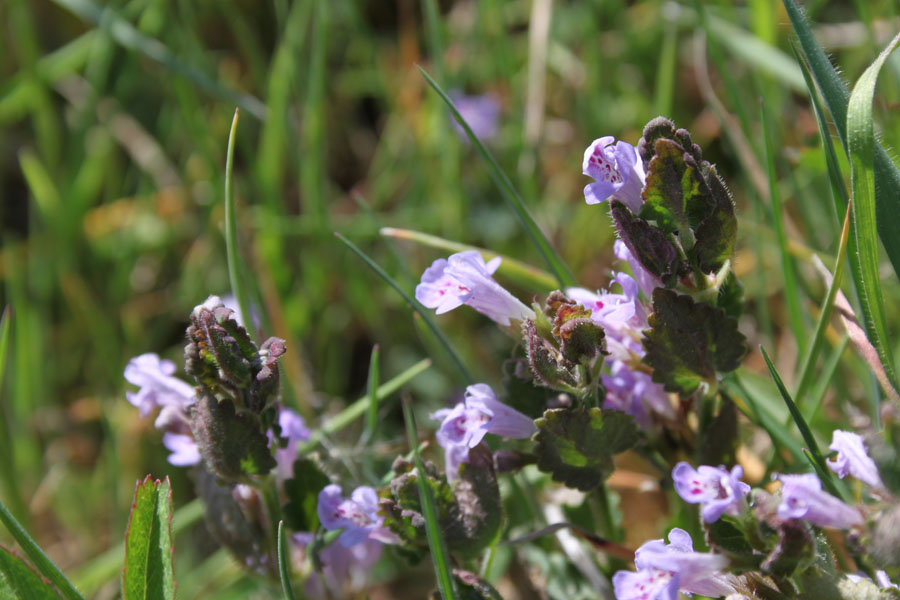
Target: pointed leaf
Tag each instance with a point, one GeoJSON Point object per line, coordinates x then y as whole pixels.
{"type": "Point", "coordinates": [19, 581]}
{"type": "Point", "coordinates": [149, 570]}
{"type": "Point", "coordinates": [690, 342]}
{"type": "Point", "coordinates": [576, 446]}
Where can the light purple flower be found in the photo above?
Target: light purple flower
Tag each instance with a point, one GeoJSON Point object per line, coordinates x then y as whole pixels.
{"type": "Point", "coordinates": [294, 429]}
{"type": "Point", "coordinates": [343, 567]}
{"type": "Point", "coordinates": [802, 498]}
{"type": "Point", "coordinates": [158, 386]}
{"type": "Point", "coordinates": [618, 171]}
{"type": "Point", "coordinates": [357, 516]}
{"type": "Point", "coordinates": [464, 278]}
{"type": "Point", "coordinates": [852, 458]}
{"type": "Point", "coordinates": [185, 452]}
{"type": "Point", "coordinates": [621, 315]}
{"type": "Point", "coordinates": [482, 113]}
{"type": "Point", "coordinates": [719, 491]}
{"type": "Point", "coordinates": [647, 281]}
{"type": "Point", "coordinates": [664, 569]}
{"type": "Point", "coordinates": [635, 393]}
{"type": "Point", "coordinates": [465, 425]}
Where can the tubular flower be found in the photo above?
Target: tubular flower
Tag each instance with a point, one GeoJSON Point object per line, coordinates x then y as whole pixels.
{"type": "Point", "coordinates": [617, 170]}
{"type": "Point", "coordinates": [718, 491]}
{"type": "Point", "coordinates": [802, 498]}
{"type": "Point", "coordinates": [464, 278]}
{"type": "Point", "coordinates": [357, 516]}
{"type": "Point", "coordinates": [852, 458]}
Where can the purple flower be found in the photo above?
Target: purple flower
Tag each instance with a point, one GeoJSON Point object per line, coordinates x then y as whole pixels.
{"type": "Point", "coordinates": [645, 279]}
{"type": "Point", "coordinates": [357, 516]}
{"type": "Point", "coordinates": [158, 386]}
{"type": "Point", "coordinates": [852, 458]}
{"type": "Point", "coordinates": [464, 278]}
{"type": "Point", "coordinates": [618, 171]}
{"type": "Point", "coordinates": [343, 567]}
{"type": "Point", "coordinates": [802, 498]}
{"type": "Point", "coordinates": [664, 569]}
{"type": "Point", "coordinates": [635, 393]}
{"type": "Point", "coordinates": [715, 488]}
{"type": "Point", "coordinates": [185, 452]}
{"type": "Point", "coordinates": [621, 315]}
{"type": "Point", "coordinates": [482, 113]}
{"type": "Point", "coordinates": [466, 424]}
{"type": "Point", "coordinates": [294, 429]}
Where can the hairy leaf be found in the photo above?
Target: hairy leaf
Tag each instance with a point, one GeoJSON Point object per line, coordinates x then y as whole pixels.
{"type": "Point", "coordinates": [716, 233]}
{"type": "Point", "coordinates": [676, 196]}
{"type": "Point", "coordinates": [689, 342]}
{"type": "Point", "coordinates": [576, 445]}
{"type": "Point", "coordinates": [19, 581]}
{"type": "Point", "coordinates": [649, 245]}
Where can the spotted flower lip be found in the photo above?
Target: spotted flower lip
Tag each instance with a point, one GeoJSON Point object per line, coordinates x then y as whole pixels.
{"type": "Point", "coordinates": [617, 170]}
{"type": "Point", "coordinates": [853, 459]}
{"type": "Point", "coordinates": [665, 569]}
{"type": "Point", "coordinates": [464, 278]}
{"type": "Point", "coordinates": [802, 498]}
{"type": "Point", "coordinates": [357, 516]}
{"type": "Point", "coordinates": [465, 425]}
{"type": "Point", "coordinates": [718, 490]}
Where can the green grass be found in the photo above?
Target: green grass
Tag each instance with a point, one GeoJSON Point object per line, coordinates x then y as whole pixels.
{"type": "Point", "coordinates": [117, 142]}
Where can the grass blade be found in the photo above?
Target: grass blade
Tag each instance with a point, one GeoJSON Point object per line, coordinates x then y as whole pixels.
{"type": "Point", "coordinates": [439, 555]}
{"type": "Point", "coordinates": [802, 425]}
{"type": "Point", "coordinates": [518, 271]}
{"type": "Point", "coordinates": [372, 384]}
{"type": "Point", "coordinates": [791, 286]}
{"type": "Point", "coordinates": [757, 414]}
{"type": "Point", "coordinates": [554, 262]}
{"type": "Point", "coordinates": [284, 570]}
{"type": "Point", "coordinates": [235, 268]}
{"type": "Point", "coordinates": [861, 141]}
{"type": "Point", "coordinates": [423, 312]}
{"type": "Point", "coordinates": [358, 408]}
{"type": "Point", "coordinates": [804, 379]}
{"type": "Point", "coordinates": [127, 36]}
{"type": "Point", "coordinates": [41, 561]}
{"type": "Point", "coordinates": [836, 96]}
{"type": "Point", "coordinates": [7, 460]}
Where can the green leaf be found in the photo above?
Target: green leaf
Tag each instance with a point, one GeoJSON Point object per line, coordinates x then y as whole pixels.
{"type": "Point", "coordinates": [689, 342]}
{"type": "Point", "coordinates": [41, 561]}
{"type": "Point", "coordinates": [817, 584]}
{"type": "Point", "coordinates": [675, 196]}
{"type": "Point", "coordinates": [302, 492]}
{"type": "Point", "coordinates": [836, 97]}
{"type": "Point", "coordinates": [796, 548]}
{"type": "Point", "coordinates": [232, 444]}
{"type": "Point", "coordinates": [520, 391]}
{"type": "Point", "coordinates": [649, 245]}
{"type": "Point", "coordinates": [861, 142]}
{"type": "Point", "coordinates": [715, 236]}
{"type": "Point", "coordinates": [149, 571]}
{"type": "Point", "coordinates": [576, 445]}
{"type": "Point", "coordinates": [725, 537]}
{"type": "Point", "coordinates": [551, 258]}
{"type": "Point", "coordinates": [19, 582]}
{"type": "Point", "coordinates": [231, 237]}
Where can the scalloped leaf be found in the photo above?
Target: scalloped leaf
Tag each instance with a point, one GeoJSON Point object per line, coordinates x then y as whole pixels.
{"type": "Point", "coordinates": [149, 570]}
{"type": "Point", "coordinates": [689, 342]}
{"type": "Point", "coordinates": [675, 196]}
{"type": "Point", "coordinates": [649, 245]}
{"type": "Point", "coordinates": [576, 445]}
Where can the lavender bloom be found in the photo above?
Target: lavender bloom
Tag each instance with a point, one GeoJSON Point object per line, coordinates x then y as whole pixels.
{"type": "Point", "coordinates": [802, 498]}
{"type": "Point", "coordinates": [294, 428]}
{"type": "Point", "coordinates": [621, 315]}
{"type": "Point", "coordinates": [719, 491]}
{"type": "Point", "coordinates": [635, 393]}
{"type": "Point", "coordinates": [466, 424]}
{"type": "Point", "coordinates": [884, 581]}
{"type": "Point", "coordinates": [482, 113]}
{"type": "Point", "coordinates": [645, 279]}
{"type": "Point", "coordinates": [618, 171]}
{"type": "Point", "coordinates": [358, 516]}
{"type": "Point", "coordinates": [342, 567]}
{"type": "Point", "coordinates": [464, 278]}
{"type": "Point", "coordinates": [664, 569]}
{"type": "Point", "coordinates": [185, 452]}
{"type": "Point", "coordinates": [852, 458]}
{"type": "Point", "coordinates": [158, 386]}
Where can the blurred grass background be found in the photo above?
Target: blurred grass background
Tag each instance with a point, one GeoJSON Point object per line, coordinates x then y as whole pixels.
{"type": "Point", "coordinates": [114, 119]}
